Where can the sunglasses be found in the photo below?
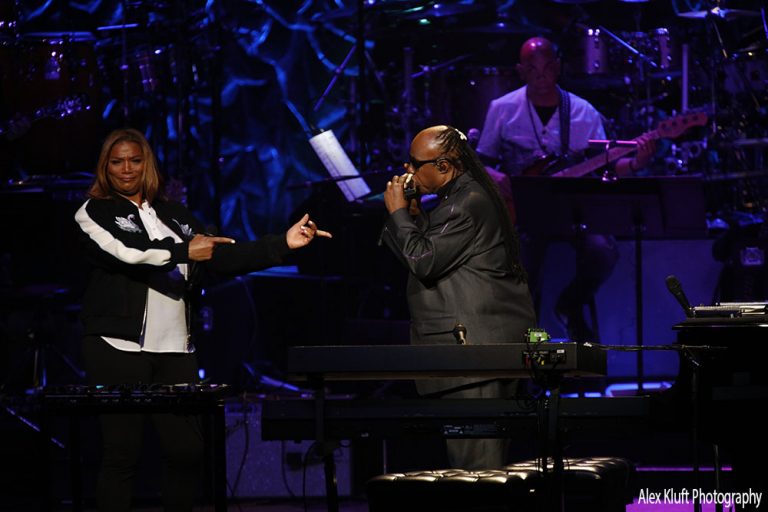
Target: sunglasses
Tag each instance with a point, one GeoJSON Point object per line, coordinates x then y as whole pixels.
{"type": "Point", "coordinates": [417, 164]}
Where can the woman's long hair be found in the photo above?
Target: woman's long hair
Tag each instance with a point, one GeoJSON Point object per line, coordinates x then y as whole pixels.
{"type": "Point", "coordinates": [454, 144]}
{"type": "Point", "coordinates": [101, 187]}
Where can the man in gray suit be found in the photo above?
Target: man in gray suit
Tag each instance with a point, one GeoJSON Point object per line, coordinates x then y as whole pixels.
{"type": "Point", "coordinates": [466, 284]}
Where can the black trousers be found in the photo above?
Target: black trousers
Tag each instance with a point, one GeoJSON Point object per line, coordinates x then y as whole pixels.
{"type": "Point", "coordinates": [596, 257]}
{"type": "Point", "coordinates": [180, 434]}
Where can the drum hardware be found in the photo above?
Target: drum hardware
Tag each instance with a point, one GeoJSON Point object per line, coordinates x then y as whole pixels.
{"type": "Point", "coordinates": [51, 91]}
{"type": "Point", "coordinates": [642, 57]}
{"type": "Point", "coordinates": [428, 70]}
{"type": "Point", "coordinates": [346, 13]}
{"type": "Point", "coordinates": [9, 15]}
{"type": "Point", "coordinates": [336, 74]}
{"type": "Point", "coordinates": [40, 300]}
{"type": "Point", "coordinates": [682, 154]}
{"type": "Point", "coordinates": [595, 52]}
{"type": "Point", "coordinates": [123, 26]}
{"type": "Point", "coordinates": [65, 107]}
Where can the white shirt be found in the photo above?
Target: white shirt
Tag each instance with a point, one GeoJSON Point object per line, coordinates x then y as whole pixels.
{"type": "Point", "coordinates": [165, 323]}
{"type": "Point", "coordinates": [512, 125]}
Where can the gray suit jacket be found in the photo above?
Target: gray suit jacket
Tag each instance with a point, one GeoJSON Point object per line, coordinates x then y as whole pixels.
{"type": "Point", "coordinates": [459, 271]}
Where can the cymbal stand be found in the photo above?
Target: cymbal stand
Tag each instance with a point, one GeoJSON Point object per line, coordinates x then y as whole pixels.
{"type": "Point", "coordinates": [336, 74]}
{"type": "Point", "coordinates": [37, 352]}
{"type": "Point", "coordinates": [634, 51]}
{"type": "Point", "coordinates": [124, 69]}
{"type": "Point", "coordinates": [361, 109]}
{"type": "Point", "coordinates": [407, 97]}
{"type": "Point", "coordinates": [765, 21]}
{"type": "Point", "coordinates": [39, 349]}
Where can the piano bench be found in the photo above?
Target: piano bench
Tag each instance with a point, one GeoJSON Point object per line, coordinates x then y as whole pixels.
{"type": "Point", "coordinates": [452, 490]}
{"type": "Point", "coordinates": [594, 483]}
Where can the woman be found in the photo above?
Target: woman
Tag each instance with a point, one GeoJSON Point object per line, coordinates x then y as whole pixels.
{"type": "Point", "coordinates": [145, 253]}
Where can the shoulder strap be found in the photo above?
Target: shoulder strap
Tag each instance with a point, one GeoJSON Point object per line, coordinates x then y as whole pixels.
{"type": "Point", "coordinates": [565, 121]}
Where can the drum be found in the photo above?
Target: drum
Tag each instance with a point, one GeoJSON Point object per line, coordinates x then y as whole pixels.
{"type": "Point", "coordinates": [746, 72]}
{"type": "Point", "coordinates": [9, 17]}
{"type": "Point", "coordinates": [142, 71]}
{"type": "Point", "coordinates": [664, 52]}
{"type": "Point", "coordinates": [51, 101]}
{"type": "Point", "coordinates": [657, 44]}
{"type": "Point", "coordinates": [594, 52]}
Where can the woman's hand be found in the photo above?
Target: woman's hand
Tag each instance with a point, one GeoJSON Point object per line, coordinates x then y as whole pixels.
{"type": "Point", "coordinates": [302, 233]}
{"type": "Point", "coordinates": [201, 247]}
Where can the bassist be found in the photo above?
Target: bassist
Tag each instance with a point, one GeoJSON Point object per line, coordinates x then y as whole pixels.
{"type": "Point", "coordinates": [540, 119]}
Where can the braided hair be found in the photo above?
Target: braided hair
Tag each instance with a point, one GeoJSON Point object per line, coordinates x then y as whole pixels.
{"type": "Point", "coordinates": [454, 144]}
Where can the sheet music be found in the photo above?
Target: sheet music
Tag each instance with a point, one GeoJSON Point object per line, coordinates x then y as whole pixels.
{"type": "Point", "coordinates": [338, 164]}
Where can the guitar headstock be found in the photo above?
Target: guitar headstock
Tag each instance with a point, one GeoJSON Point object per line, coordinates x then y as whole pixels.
{"type": "Point", "coordinates": [672, 128]}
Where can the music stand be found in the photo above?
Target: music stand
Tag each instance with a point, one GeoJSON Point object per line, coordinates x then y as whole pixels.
{"type": "Point", "coordinates": [637, 208]}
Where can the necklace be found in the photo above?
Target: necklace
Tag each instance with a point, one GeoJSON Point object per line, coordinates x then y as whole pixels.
{"type": "Point", "coordinates": [533, 126]}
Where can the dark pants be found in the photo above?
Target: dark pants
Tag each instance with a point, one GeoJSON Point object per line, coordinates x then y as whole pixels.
{"type": "Point", "coordinates": [180, 434]}
{"type": "Point", "coordinates": [473, 454]}
{"type": "Point", "coordinates": [596, 257]}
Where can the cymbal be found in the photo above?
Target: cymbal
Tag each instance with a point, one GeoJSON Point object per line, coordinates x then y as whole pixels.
{"type": "Point", "coordinates": [438, 10]}
{"type": "Point", "coordinates": [504, 27]}
{"type": "Point", "coordinates": [754, 47]}
{"type": "Point", "coordinates": [717, 12]}
{"type": "Point", "coordinates": [383, 7]}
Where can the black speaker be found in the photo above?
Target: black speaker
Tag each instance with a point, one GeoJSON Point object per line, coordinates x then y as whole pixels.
{"type": "Point", "coordinates": [257, 468]}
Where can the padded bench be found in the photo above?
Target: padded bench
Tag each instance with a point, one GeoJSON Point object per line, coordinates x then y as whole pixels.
{"type": "Point", "coordinates": [605, 484]}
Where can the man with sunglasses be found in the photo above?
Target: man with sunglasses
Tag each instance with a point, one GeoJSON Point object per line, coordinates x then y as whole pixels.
{"type": "Point", "coordinates": [465, 283]}
{"type": "Point", "coordinates": [524, 129]}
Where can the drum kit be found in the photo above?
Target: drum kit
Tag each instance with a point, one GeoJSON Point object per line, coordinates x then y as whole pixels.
{"type": "Point", "coordinates": [687, 60]}
{"type": "Point", "coordinates": [58, 88]}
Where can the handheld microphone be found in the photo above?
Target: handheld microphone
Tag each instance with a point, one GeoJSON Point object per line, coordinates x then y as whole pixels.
{"type": "Point", "coordinates": [409, 191]}
{"type": "Point", "coordinates": [460, 333]}
{"type": "Point", "coordinates": [676, 289]}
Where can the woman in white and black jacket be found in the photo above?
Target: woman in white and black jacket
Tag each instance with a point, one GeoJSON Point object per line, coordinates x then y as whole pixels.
{"type": "Point", "coordinates": [144, 251]}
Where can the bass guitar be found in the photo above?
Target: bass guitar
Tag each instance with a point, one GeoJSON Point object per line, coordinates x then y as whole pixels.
{"type": "Point", "coordinates": [667, 129]}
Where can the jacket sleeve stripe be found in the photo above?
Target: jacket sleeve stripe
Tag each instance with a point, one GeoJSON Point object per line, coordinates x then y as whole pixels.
{"type": "Point", "coordinates": [113, 246]}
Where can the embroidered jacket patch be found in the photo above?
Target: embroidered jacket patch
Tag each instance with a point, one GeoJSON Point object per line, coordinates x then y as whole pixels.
{"type": "Point", "coordinates": [128, 224]}
{"type": "Point", "coordinates": [185, 229]}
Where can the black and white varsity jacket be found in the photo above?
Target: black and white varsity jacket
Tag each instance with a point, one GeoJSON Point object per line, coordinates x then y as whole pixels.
{"type": "Point", "coordinates": [123, 257]}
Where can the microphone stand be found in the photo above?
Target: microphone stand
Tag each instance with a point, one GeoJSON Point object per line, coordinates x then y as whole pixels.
{"type": "Point", "coordinates": [689, 353]}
